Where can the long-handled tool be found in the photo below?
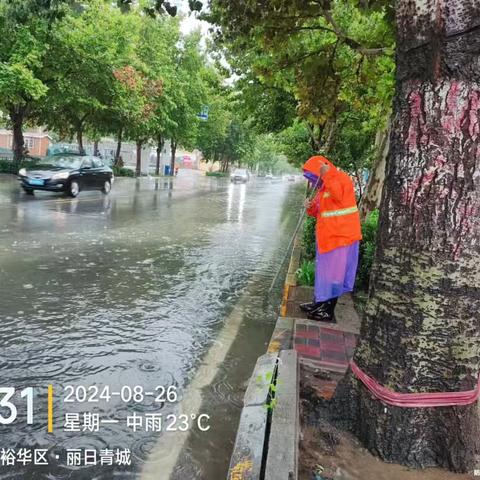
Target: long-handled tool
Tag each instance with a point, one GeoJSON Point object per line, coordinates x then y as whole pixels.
{"type": "Point", "coordinates": [297, 228]}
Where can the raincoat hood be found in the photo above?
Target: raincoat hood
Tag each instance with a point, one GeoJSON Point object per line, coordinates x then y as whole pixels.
{"type": "Point", "coordinates": [311, 168]}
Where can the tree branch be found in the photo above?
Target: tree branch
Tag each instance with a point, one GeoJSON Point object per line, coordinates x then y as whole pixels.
{"type": "Point", "coordinates": [350, 41]}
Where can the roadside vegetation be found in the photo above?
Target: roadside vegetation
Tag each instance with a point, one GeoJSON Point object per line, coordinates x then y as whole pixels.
{"type": "Point", "coordinates": [367, 251]}
{"type": "Point", "coordinates": [7, 166]}
{"type": "Point", "coordinates": [124, 69]}
{"type": "Point", "coordinates": [123, 172]}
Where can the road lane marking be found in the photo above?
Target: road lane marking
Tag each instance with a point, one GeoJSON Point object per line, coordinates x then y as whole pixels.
{"type": "Point", "coordinates": [50, 409]}
{"type": "Point", "coordinates": [174, 442]}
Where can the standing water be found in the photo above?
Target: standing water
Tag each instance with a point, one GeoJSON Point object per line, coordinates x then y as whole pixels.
{"type": "Point", "coordinates": [164, 283]}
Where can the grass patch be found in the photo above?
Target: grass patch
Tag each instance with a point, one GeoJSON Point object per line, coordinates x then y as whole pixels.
{"type": "Point", "coordinates": [306, 273]}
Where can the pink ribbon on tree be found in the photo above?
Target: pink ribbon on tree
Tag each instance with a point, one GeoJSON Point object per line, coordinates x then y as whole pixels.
{"type": "Point", "coordinates": [415, 400]}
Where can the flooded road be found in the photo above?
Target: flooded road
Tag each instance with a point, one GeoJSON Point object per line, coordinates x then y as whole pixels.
{"type": "Point", "coordinates": [163, 283]}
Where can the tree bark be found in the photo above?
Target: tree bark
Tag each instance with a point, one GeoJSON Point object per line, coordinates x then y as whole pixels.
{"type": "Point", "coordinates": [373, 192]}
{"type": "Point", "coordinates": [95, 148]}
{"type": "Point", "coordinates": [225, 165]}
{"type": "Point", "coordinates": [173, 148]}
{"type": "Point", "coordinates": [314, 136]}
{"type": "Point", "coordinates": [119, 146]}
{"type": "Point", "coordinates": [330, 136]}
{"type": "Point", "coordinates": [81, 149]}
{"type": "Point", "coordinates": [18, 144]}
{"type": "Point", "coordinates": [421, 329]}
{"type": "Point", "coordinates": [358, 177]}
{"type": "Point", "coordinates": [138, 168]}
{"type": "Point", "coordinates": [160, 144]}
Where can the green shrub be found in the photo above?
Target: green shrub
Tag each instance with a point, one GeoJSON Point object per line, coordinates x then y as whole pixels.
{"type": "Point", "coordinates": [306, 273]}
{"type": "Point", "coordinates": [7, 165]}
{"type": "Point", "coordinates": [367, 250]}
{"type": "Point", "coordinates": [308, 238]}
{"type": "Point", "coordinates": [215, 174]}
{"type": "Point", "coordinates": [123, 172]}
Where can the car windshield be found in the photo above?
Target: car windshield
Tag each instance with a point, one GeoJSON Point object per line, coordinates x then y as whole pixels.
{"type": "Point", "coordinates": [61, 161]}
{"type": "Point", "coordinates": [240, 171]}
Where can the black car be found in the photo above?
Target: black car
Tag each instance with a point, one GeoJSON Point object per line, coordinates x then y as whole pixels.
{"type": "Point", "coordinates": [67, 173]}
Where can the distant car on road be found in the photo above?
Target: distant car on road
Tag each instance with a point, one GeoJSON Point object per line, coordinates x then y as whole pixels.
{"type": "Point", "coordinates": [291, 178]}
{"type": "Point", "coordinates": [269, 176]}
{"type": "Point", "coordinates": [240, 175]}
{"type": "Point", "coordinates": [67, 173]}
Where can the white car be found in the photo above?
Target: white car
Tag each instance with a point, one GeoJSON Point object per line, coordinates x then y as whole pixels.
{"type": "Point", "coordinates": [240, 175]}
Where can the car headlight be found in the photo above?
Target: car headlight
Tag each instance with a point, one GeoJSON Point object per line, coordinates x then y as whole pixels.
{"type": "Point", "coordinates": [22, 172]}
{"type": "Point", "coordinates": [61, 176]}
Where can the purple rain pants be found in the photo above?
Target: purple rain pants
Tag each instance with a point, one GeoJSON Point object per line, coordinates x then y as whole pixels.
{"type": "Point", "coordinates": [335, 272]}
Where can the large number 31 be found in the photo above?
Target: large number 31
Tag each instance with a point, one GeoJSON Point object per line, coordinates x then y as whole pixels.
{"type": "Point", "coordinates": [6, 394]}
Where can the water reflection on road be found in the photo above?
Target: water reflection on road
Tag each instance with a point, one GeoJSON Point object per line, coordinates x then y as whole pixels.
{"type": "Point", "coordinates": [164, 282]}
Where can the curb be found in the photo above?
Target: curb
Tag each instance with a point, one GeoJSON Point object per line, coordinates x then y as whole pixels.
{"type": "Point", "coordinates": [266, 446]}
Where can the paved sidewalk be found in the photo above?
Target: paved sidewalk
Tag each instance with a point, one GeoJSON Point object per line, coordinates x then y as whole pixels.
{"type": "Point", "coordinates": [327, 346]}
{"type": "Point", "coordinates": [330, 348]}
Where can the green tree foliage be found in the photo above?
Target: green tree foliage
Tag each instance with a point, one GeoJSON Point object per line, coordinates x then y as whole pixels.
{"type": "Point", "coordinates": [92, 68]}
{"type": "Point", "coordinates": [158, 53]}
{"type": "Point", "coordinates": [86, 51]}
{"type": "Point", "coordinates": [296, 143]}
{"type": "Point", "coordinates": [97, 68]}
{"type": "Point", "coordinates": [188, 94]}
{"type": "Point", "coordinates": [265, 156]}
{"type": "Point", "coordinates": [212, 133]}
{"type": "Point", "coordinates": [334, 58]}
{"type": "Point", "coordinates": [25, 30]}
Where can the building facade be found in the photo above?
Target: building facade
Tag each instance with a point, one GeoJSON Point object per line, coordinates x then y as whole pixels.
{"type": "Point", "coordinates": [36, 140]}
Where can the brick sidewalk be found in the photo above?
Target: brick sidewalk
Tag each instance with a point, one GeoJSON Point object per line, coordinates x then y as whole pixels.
{"type": "Point", "coordinates": [330, 348]}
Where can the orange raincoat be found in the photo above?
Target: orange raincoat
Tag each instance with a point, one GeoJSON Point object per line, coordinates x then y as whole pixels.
{"type": "Point", "coordinates": [335, 207]}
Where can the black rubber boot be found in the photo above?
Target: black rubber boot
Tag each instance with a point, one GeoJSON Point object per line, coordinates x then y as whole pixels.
{"type": "Point", "coordinates": [325, 313]}
{"type": "Point", "coordinates": [311, 306]}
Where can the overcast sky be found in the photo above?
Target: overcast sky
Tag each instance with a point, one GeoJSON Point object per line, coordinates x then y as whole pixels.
{"type": "Point", "coordinates": [190, 22]}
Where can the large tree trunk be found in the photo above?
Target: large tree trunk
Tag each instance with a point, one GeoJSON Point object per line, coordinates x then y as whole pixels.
{"type": "Point", "coordinates": [373, 193]}
{"type": "Point", "coordinates": [138, 168]}
{"type": "Point", "coordinates": [421, 329]}
{"type": "Point", "coordinates": [18, 144]}
{"type": "Point", "coordinates": [173, 148]}
{"type": "Point", "coordinates": [160, 144]}
{"type": "Point", "coordinates": [96, 151]}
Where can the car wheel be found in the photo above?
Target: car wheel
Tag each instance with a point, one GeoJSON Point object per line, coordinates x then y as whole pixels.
{"type": "Point", "coordinates": [28, 191]}
{"type": "Point", "coordinates": [74, 188]}
{"type": "Point", "coordinates": [107, 186]}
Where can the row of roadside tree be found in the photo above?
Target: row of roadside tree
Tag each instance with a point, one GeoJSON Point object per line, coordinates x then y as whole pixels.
{"type": "Point", "coordinates": [95, 68]}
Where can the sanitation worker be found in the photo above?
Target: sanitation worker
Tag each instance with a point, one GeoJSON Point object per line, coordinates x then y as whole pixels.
{"type": "Point", "coordinates": [337, 234]}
